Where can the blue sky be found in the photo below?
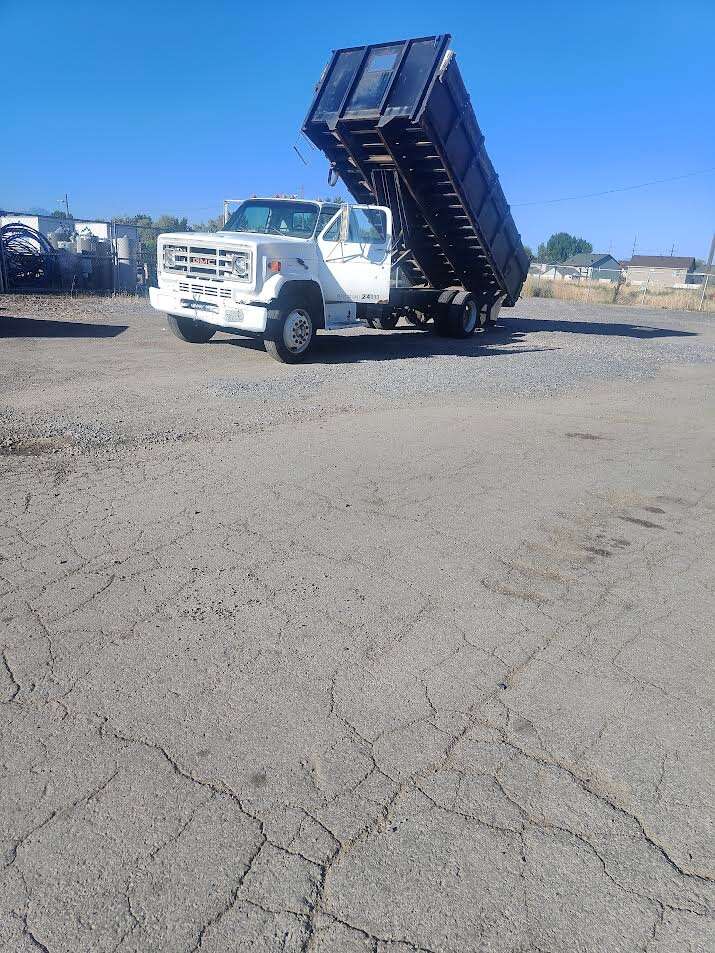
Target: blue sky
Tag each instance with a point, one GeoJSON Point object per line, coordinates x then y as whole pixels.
{"type": "Point", "coordinates": [171, 106]}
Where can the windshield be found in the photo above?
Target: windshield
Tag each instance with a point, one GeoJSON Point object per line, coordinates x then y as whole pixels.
{"type": "Point", "coordinates": [274, 217]}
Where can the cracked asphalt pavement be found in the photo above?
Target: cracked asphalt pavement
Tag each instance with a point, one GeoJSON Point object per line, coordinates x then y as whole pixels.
{"type": "Point", "coordinates": [406, 649]}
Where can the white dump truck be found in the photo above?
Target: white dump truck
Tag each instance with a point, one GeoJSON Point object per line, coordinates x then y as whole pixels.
{"type": "Point", "coordinates": [430, 238]}
{"type": "Point", "coordinates": [280, 268]}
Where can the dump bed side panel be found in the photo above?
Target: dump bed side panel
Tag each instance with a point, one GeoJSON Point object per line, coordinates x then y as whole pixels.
{"type": "Point", "coordinates": [397, 125]}
{"type": "Point", "coordinates": [449, 119]}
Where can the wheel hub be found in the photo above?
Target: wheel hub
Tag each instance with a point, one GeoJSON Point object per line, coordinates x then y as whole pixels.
{"type": "Point", "coordinates": [470, 315]}
{"type": "Point", "coordinates": [297, 331]}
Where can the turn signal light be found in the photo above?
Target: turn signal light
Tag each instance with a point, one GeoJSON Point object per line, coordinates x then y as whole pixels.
{"type": "Point", "coordinates": [273, 266]}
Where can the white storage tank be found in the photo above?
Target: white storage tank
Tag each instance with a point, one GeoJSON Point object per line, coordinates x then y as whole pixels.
{"type": "Point", "coordinates": [86, 243]}
{"type": "Point", "coordinates": [126, 263]}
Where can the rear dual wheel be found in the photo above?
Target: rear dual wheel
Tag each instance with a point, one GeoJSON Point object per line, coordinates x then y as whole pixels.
{"type": "Point", "coordinates": [458, 316]}
{"type": "Point", "coordinates": [463, 315]}
{"type": "Point", "coordinates": [443, 314]}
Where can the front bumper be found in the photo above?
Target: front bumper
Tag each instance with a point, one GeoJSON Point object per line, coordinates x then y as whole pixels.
{"type": "Point", "coordinates": [233, 315]}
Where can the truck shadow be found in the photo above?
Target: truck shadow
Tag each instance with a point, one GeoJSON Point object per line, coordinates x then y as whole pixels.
{"type": "Point", "coordinates": [11, 327]}
{"type": "Point", "coordinates": [408, 342]}
{"type": "Point", "coordinates": [401, 344]}
{"type": "Point", "coordinates": [601, 329]}
{"type": "Point", "coordinates": [510, 336]}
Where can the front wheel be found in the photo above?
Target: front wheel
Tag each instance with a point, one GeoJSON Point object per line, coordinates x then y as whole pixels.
{"type": "Point", "coordinates": [290, 335]}
{"type": "Point", "coordinates": [187, 329]}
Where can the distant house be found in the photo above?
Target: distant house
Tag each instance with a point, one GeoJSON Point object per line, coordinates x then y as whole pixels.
{"type": "Point", "coordinates": [664, 270]}
{"type": "Point", "coordinates": [561, 273]}
{"type": "Point", "coordinates": [597, 267]}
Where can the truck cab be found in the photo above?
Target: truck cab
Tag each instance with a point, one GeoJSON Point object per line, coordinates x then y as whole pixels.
{"type": "Point", "coordinates": [280, 268]}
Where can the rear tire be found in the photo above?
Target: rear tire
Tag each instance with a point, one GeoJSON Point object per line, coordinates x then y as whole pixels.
{"type": "Point", "coordinates": [442, 316]}
{"type": "Point", "coordinates": [463, 315]}
{"type": "Point", "coordinates": [187, 329]}
{"type": "Point", "coordinates": [290, 336]}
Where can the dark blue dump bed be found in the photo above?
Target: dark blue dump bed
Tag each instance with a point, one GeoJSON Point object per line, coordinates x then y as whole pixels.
{"type": "Point", "coordinates": [397, 125]}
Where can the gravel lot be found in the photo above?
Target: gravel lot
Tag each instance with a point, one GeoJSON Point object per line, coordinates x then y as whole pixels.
{"type": "Point", "coordinates": [405, 649]}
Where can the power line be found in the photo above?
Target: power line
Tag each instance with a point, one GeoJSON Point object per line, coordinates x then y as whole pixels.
{"type": "Point", "coordinates": [625, 188]}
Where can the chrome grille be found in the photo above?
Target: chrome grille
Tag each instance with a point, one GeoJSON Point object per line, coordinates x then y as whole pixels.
{"type": "Point", "coordinates": [204, 261]}
{"type": "Point", "coordinates": [208, 291]}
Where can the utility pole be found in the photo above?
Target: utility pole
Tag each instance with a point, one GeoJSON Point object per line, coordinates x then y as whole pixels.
{"type": "Point", "coordinates": [672, 249]}
{"type": "Point", "coordinates": [2, 268]}
{"type": "Point", "coordinates": [633, 250]}
{"type": "Point", "coordinates": [708, 271]}
{"type": "Point", "coordinates": [67, 204]}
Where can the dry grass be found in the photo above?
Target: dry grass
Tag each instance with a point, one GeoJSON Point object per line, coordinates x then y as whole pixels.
{"type": "Point", "coordinates": [672, 299]}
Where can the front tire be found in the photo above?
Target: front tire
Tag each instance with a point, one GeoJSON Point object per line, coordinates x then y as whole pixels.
{"type": "Point", "coordinates": [291, 334]}
{"type": "Point", "coordinates": [187, 329]}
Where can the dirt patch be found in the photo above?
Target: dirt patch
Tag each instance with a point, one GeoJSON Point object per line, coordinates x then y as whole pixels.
{"type": "Point", "coordinates": [36, 446]}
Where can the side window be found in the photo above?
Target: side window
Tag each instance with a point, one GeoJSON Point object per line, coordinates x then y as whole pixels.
{"type": "Point", "coordinates": [367, 226]}
{"type": "Point", "coordinates": [326, 213]}
{"type": "Point", "coordinates": [333, 233]}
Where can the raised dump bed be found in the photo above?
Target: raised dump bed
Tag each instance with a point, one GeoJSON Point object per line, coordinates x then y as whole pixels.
{"type": "Point", "coordinates": [397, 125]}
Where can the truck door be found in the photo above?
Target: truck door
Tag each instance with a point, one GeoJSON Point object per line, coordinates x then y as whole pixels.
{"type": "Point", "coordinates": [355, 267]}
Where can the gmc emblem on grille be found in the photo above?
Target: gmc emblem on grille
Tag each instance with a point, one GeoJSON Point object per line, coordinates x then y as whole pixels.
{"type": "Point", "coordinates": [202, 261]}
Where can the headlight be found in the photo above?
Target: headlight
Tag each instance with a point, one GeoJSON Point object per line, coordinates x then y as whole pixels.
{"type": "Point", "coordinates": [169, 256]}
{"type": "Point", "coordinates": [241, 265]}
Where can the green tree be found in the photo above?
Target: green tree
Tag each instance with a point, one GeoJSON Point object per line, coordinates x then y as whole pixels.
{"type": "Point", "coordinates": [529, 252]}
{"type": "Point", "coordinates": [149, 228]}
{"type": "Point", "coordinates": [561, 246]}
{"type": "Point", "coordinates": [170, 223]}
{"type": "Point", "coordinates": [213, 225]}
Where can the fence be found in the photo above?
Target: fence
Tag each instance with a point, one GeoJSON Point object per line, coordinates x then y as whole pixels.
{"type": "Point", "coordinates": [68, 255]}
{"type": "Point", "coordinates": [611, 286]}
